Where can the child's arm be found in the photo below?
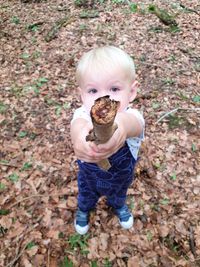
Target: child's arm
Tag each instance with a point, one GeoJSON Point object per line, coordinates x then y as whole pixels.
{"type": "Point", "coordinates": [86, 151]}
{"type": "Point", "coordinates": [128, 126]}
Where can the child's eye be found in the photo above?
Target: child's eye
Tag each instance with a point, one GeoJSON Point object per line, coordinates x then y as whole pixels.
{"type": "Point", "coordinates": [92, 91]}
{"type": "Point", "coordinates": [114, 89]}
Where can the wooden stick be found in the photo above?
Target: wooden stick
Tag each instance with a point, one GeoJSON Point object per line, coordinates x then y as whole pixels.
{"type": "Point", "coordinates": [103, 114]}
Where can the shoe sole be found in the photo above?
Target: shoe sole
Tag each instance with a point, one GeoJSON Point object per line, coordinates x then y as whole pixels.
{"type": "Point", "coordinates": [81, 230]}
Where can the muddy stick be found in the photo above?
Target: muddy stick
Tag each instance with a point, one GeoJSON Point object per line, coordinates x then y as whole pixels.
{"type": "Point", "coordinates": [103, 114]}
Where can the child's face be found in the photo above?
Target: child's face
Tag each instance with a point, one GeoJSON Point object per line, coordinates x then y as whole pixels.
{"type": "Point", "coordinates": [115, 84]}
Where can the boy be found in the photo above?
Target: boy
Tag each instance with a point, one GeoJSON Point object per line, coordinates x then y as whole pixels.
{"type": "Point", "coordinates": [104, 71]}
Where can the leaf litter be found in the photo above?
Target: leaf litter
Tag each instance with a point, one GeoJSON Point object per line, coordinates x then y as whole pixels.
{"type": "Point", "coordinates": [38, 187]}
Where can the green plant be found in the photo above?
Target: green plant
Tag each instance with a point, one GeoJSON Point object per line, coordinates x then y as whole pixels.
{"type": "Point", "coordinates": [118, 1]}
{"type": "Point", "coordinates": [82, 27]}
{"type": "Point", "coordinates": [33, 27]}
{"type": "Point", "coordinates": [196, 99]}
{"type": "Point", "coordinates": [175, 121]}
{"type": "Point", "coordinates": [173, 176]}
{"type": "Point", "coordinates": [156, 29]}
{"type": "Point", "coordinates": [77, 241]}
{"type": "Point", "coordinates": [36, 86]}
{"type": "Point", "coordinates": [59, 108]}
{"type": "Point", "coordinates": [79, 3]}
{"type": "Point", "coordinates": [3, 107]}
{"type": "Point", "coordinates": [26, 166]}
{"type": "Point", "coordinates": [133, 7]}
{"type": "Point", "coordinates": [16, 90]}
{"type": "Point", "coordinates": [15, 20]}
{"type": "Point", "coordinates": [155, 105]}
{"type": "Point", "coordinates": [149, 236]}
{"type": "Point", "coordinates": [164, 201]}
{"type": "Point", "coordinates": [22, 134]}
{"type": "Point", "coordinates": [168, 81]}
{"type": "Point", "coordinates": [172, 58]}
{"type": "Point", "coordinates": [174, 28]}
{"type": "Point", "coordinates": [194, 148]}
{"type": "Point", "coordinates": [93, 264]}
{"type": "Point", "coordinates": [4, 212]}
{"type": "Point", "coordinates": [30, 245]}
{"type": "Point", "coordinates": [132, 203]}
{"type": "Point", "coordinates": [25, 56]}
{"type": "Point", "coordinates": [2, 186]}
{"type": "Point", "coordinates": [13, 177]}
{"type": "Point", "coordinates": [107, 263]}
{"type": "Point", "coordinates": [66, 263]}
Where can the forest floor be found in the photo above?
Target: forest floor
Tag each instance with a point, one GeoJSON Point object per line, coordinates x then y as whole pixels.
{"type": "Point", "coordinates": [41, 43]}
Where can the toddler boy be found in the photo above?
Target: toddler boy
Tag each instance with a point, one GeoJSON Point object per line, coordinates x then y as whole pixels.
{"type": "Point", "coordinates": [105, 71]}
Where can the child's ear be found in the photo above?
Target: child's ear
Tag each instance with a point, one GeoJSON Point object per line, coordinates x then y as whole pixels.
{"type": "Point", "coordinates": [133, 92]}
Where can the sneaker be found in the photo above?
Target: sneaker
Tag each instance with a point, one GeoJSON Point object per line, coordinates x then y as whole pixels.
{"type": "Point", "coordinates": [81, 222]}
{"type": "Point", "coordinates": [125, 217]}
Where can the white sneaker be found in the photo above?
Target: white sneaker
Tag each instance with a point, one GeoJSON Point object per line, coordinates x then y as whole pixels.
{"type": "Point", "coordinates": [125, 217]}
{"type": "Point", "coordinates": [81, 222]}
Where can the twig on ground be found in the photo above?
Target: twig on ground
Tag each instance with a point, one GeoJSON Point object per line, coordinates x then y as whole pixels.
{"type": "Point", "coordinates": [48, 258]}
{"type": "Point", "coordinates": [175, 110]}
{"type": "Point", "coordinates": [189, 9]}
{"type": "Point", "coordinates": [192, 241]}
{"type": "Point", "coordinates": [18, 255]}
{"type": "Point", "coordinates": [9, 164]}
{"type": "Point", "coordinates": [57, 26]}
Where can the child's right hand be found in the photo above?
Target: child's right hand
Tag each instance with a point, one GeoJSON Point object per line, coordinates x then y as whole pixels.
{"type": "Point", "coordinates": [86, 151]}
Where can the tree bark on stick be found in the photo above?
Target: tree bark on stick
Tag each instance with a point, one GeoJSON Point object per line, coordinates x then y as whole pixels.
{"type": "Point", "coordinates": [103, 114]}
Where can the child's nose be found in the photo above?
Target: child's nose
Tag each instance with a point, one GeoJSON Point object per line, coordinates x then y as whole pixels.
{"type": "Point", "coordinates": [104, 93]}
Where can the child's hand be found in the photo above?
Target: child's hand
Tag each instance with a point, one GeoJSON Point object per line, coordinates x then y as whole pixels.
{"type": "Point", "coordinates": [115, 143]}
{"type": "Point", "coordinates": [86, 151]}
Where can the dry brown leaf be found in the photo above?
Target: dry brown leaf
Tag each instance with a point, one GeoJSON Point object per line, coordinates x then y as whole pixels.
{"type": "Point", "coordinates": [163, 230]}
{"type": "Point", "coordinates": [134, 262]}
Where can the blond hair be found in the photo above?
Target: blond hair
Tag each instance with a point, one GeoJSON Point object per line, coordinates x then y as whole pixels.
{"type": "Point", "coordinates": [105, 59]}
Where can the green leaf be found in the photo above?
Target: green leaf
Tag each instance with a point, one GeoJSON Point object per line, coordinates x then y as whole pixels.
{"type": "Point", "coordinates": [61, 235]}
{"type": "Point", "coordinates": [194, 148]}
{"type": "Point", "coordinates": [173, 176]}
{"type": "Point", "coordinates": [30, 245]}
{"type": "Point", "coordinates": [133, 7]}
{"type": "Point", "coordinates": [43, 80]}
{"type": "Point", "coordinates": [164, 201]}
{"type": "Point", "coordinates": [149, 236]}
{"type": "Point", "coordinates": [13, 177]}
{"type": "Point", "coordinates": [3, 107]}
{"type": "Point", "coordinates": [93, 264]}
{"type": "Point", "coordinates": [26, 166]}
{"type": "Point", "coordinates": [4, 161]}
{"type": "Point", "coordinates": [2, 186]}
{"type": "Point", "coordinates": [66, 263]}
{"type": "Point", "coordinates": [196, 98]}
{"type": "Point", "coordinates": [25, 56]}
{"type": "Point", "coordinates": [155, 105]}
{"type": "Point", "coordinates": [66, 105]}
{"type": "Point", "coordinates": [58, 110]}
{"type": "Point", "coordinates": [15, 20]}
{"type": "Point", "coordinates": [4, 212]}
{"type": "Point", "coordinates": [22, 134]}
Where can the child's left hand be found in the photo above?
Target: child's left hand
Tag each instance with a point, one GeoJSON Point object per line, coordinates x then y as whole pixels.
{"type": "Point", "coordinates": [115, 142]}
